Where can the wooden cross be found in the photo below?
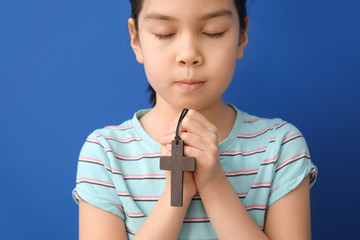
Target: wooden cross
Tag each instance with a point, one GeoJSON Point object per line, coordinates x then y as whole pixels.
{"type": "Point", "coordinates": [177, 164]}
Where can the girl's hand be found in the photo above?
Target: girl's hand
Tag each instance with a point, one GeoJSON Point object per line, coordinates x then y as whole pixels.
{"type": "Point", "coordinates": [189, 188]}
{"type": "Point", "coordinates": [200, 141]}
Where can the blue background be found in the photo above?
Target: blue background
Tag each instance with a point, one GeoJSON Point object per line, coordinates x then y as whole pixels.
{"type": "Point", "coordinates": [66, 68]}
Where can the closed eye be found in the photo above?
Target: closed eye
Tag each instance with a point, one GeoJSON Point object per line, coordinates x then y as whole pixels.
{"type": "Point", "coordinates": [164, 37]}
{"type": "Point", "coordinates": [169, 36]}
{"type": "Point", "coordinates": [214, 35]}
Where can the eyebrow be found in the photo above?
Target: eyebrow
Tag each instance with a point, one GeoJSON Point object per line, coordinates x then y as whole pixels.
{"type": "Point", "coordinates": [218, 13]}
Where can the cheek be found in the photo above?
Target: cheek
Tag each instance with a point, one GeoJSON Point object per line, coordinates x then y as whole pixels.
{"type": "Point", "coordinates": [152, 64]}
{"type": "Point", "coordinates": [155, 58]}
{"type": "Point", "coordinates": [155, 70]}
{"type": "Point", "coordinates": [224, 61]}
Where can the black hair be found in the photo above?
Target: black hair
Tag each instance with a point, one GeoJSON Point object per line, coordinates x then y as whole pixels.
{"type": "Point", "coordinates": [136, 6]}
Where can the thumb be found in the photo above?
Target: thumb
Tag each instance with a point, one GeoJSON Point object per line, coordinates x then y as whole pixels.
{"type": "Point", "coordinates": [164, 151]}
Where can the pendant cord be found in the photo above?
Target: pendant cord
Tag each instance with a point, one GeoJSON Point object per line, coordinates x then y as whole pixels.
{"type": "Point", "coordinates": [182, 116]}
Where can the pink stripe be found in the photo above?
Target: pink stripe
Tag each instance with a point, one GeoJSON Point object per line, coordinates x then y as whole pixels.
{"type": "Point", "coordinates": [145, 176]}
{"type": "Point", "coordinates": [200, 239]}
{"type": "Point", "coordinates": [305, 154]}
{"type": "Point", "coordinates": [255, 206]}
{"type": "Point", "coordinates": [124, 140]}
{"type": "Point", "coordinates": [119, 207]}
{"type": "Point", "coordinates": [119, 127]}
{"type": "Point", "coordinates": [93, 160]}
{"type": "Point", "coordinates": [262, 183]}
{"type": "Point", "coordinates": [134, 214]}
{"type": "Point", "coordinates": [146, 197]}
{"type": "Point", "coordinates": [100, 162]}
{"type": "Point", "coordinates": [151, 197]}
{"type": "Point", "coordinates": [196, 218]}
{"type": "Point", "coordinates": [251, 120]}
{"type": "Point", "coordinates": [242, 194]}
{"type": "Point", "coordinates": [76, 195]}
{"type": "Point", "coordinates": [242, 171]}
{"type": "Point", "coordinates": [138, 156]}
{"type": "Point", "coordinates": [245, 153]}
{"type": "Point", "coordinates": [271, 159]}
{"type": "Point", "coordinates": [94, 181]}
{"type": "Point", "coordinates": [127, 213]}
{"type": "Point", "coordinates": [122, 193]}
{"type": "Point", "coordinates": [129, 230]}
{"type": "Point", "coordinates": [94, 140]}
{"type": "Point", "coordinates": [291, 136]}
{"type": "Point", "coordinates": [262, 131]}
{"type": "Point", "coordinates": [98, 142]}
{"type": "Point", "coordinates": [312, 174]}
{"type": "Point", "coordinates": [273, 190]}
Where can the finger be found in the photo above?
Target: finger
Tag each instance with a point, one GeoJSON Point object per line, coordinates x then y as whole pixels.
{"type": "Point", "coordinates": [203, 159]}
{"type": "Point", "coordinates": [195, 128]}
{"type": "Point", "coordinates": [199, 142]}
{"type": "Point", "coordinates": [166, 139]}
{"type": "Point", "coordinates": [164, 151]}
{"type": "Point", "coordinates": [194, 115]}
{"type": "Point", "coordinates": [193, 122]}
{"type": "Point", "coordinates": [196, 142]}
{"type": "Point", "coordinates": [173, 123]}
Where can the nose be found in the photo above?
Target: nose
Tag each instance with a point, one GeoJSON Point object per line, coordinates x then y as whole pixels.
{"type": "Point", "coordinates": [189, 54]}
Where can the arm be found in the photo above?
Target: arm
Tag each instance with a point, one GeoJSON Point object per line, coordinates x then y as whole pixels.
{"type": "Point", "coordinates": [112, 227]}
{"type": "Point", "coordinates": [296, 203]}
{"type": "Point", "coordinates": [287, 218]}
{"type": "Point", "coordinates": [164, 221]}
{"type": "Point", "coordinates": [228, 216]}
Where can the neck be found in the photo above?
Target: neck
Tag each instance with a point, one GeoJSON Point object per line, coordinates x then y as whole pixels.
{"type": "Point", "coordinates": [157, 119]}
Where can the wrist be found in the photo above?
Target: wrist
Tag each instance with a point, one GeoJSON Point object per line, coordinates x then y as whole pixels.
{"type": "Point", "coordinates": [215, 185]}
{"type": "Point", "coordinates": [166, 198]}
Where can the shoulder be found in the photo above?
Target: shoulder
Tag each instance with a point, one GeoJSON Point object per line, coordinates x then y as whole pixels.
{"type": "Point", "coordinates": [122, 133]}
{"type": "Point", "coordinates": [110, 138]}
{"type": "Point", "coordinates": [254, 127]}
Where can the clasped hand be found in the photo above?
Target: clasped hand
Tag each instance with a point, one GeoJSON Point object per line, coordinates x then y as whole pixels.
{"type": "Point", "coordinates": [200, 138]}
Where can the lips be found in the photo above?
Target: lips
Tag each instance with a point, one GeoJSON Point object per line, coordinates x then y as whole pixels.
{"type": "Point", "coordinates": [190, 85]}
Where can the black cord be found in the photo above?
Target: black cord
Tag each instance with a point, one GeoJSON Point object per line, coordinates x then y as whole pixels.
{"type": "Point", "coordinates": [182, 116]}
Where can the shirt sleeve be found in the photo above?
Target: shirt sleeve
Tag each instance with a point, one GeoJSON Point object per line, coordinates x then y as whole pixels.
{"type": "Point", "coordinates": [94, 180]}
{"type": "Point", "coordinates": [293, 163]}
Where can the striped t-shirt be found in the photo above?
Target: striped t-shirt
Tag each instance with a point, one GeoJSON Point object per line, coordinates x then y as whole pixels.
{"type": "Point", "coordinates": [118, 171]}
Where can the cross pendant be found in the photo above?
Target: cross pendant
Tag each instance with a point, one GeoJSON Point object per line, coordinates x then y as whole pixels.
{"type": "Point", "coordinates": [177, 164]}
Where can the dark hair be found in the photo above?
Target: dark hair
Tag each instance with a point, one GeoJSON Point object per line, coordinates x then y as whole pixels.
{"type": "Point", "coordinates": [136, 6]}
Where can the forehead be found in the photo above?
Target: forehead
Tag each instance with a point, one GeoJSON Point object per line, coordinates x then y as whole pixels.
{"type": "Point", "coordinates": [175, 10]}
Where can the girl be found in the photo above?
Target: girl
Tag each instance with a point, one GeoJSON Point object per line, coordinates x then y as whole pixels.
{"type": "Point", "coordinates": [252, 175]}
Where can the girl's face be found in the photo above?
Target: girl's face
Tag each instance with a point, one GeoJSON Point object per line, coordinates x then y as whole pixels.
{"type": "Point", "coordinates": [189, 49]}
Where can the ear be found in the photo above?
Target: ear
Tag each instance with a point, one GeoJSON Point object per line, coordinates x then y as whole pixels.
{"type": "Point", "coordinates": [135, 41]}
{"type": "Point", "coordinates": [243, 39]}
